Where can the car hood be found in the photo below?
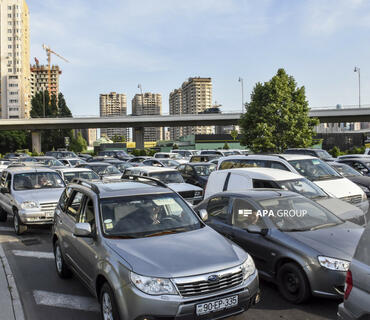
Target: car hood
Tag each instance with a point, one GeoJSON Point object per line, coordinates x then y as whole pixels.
{"type": "Point", "coordinates": [339, 188]}
{"type": "Point", "coordinates": [336, 242]}
{"type": "Point", "coordinates": [179, 187]}
{"type": "Point", "coordinates": [174, 255]}
{"type": "Point", "coordinates": [340, 208]}
{"type": "Point", "coordinates": [40, 195]}
{"type": "Point", "coordinates": [362, 180]}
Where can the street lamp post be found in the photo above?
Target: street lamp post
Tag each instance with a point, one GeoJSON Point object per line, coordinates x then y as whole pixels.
{"type": "Point", "coordinates": [359, 85]}
{"type": "Point", "coordinates": [242, 84]}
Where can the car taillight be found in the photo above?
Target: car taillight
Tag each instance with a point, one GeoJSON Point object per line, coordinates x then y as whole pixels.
{"type": "Point", "coordinates": [349, 285]}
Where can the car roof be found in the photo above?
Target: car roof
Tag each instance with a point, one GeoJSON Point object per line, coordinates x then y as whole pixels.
{"type": "Point", "coordinates": [310, 149]}
{"type": "Point", "coordinates": [152, 169]}
{"type": "Point", "coordinates": [69, 169]}
{"type": "Point", "coordinates": [260, 193]}
{"type": "Point", "coordinates": [265, 173]}
{"type": "Point", "coordinates": [289, 157]}
{"type": "Point", "coordinates": [96, 164]}
{"type": "Point", "coordinates": [29, 169]}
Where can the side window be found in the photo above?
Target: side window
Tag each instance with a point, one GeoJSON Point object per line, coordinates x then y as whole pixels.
{"type": "Point", "coordinates": [75, 204]}
{"type": "Point", "coordinates": [63, 200]}
{"type": "Point", "coordinates": [88, 214]}
{"type": "Point", "coordinates": [189, 170]}
{"type": "Point", "coordinates": [181, 168]}
{"type": "Point", "coordinates": [218, 208]}
{"type": "Point", "coordinates": [245, 214]}
{"type": "Point", "coordinates": [263, 184]}
{"type": "Point", "coordinates": [358, 166]}
{"type": "Point", "coordinates": [238, 182]}
{"type": "Point", "coordinates": [278, 165]}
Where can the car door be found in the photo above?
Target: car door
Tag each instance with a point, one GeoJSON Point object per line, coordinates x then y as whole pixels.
{"type": "Point", "coordinates": [6, 198]}
{"type": "Point", "coordinates": [245, 214]}
{"type": "Point", "coordinates": [84, 249]}
{"type": "Point", "coordinates": [218, 209]}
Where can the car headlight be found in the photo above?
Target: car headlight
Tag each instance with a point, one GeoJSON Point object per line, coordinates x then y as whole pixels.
{"type": "Point", "coordinates": [198, 193]}
{"type": "Point", "coordinates": [29, 204]}
{"type": "Point", "coordinates": [248, 268]}
{"type": "Point", "coordinates": [364, 189]}
{"type": "Point", "coordinates": [153, 286]}
{"type": "Point", "coordinates": [364, 196]}
{"type": "Point", "coordinates": [333, 263]}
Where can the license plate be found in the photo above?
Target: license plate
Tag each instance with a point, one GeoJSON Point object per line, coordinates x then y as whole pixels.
{"type": "Point", "coordinates": [49, 214]}
{"type": "Point", "coordinates": [216, 305]}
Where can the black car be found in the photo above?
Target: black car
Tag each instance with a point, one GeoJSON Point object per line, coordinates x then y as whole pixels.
{"type": "Point", "coordinates": [318, 153]}
{"type": "Point", "coordinates": [346, 171]}
{"type": "Point", "coordinates": [362, 165]}
{"type": "Point", "coordinates": [296, 243]}
{"type": "Point", "coordinates": [61, 154]}
{"type": "Point", "coordinates": [196, 173]}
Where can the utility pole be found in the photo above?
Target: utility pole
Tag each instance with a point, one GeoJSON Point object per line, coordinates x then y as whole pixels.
{"type": "Point", "coordinates": [359, 85]}
{"type": "Point", "coordinates": [242, 84]}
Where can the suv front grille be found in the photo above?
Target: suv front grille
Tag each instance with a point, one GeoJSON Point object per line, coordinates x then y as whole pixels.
{"type": "Point", "coordinates": [187, 194]}
{"type": "Point", "coordinates": [352, 199]}
{"type": "Point", "coordinates": [227, 279]}
{"type": "Point", "coordinates": [50, 206]}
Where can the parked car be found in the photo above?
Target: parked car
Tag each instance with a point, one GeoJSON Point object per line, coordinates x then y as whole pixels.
{"type": "Point", "coordinates": [103, 169]}
{"type": "Point", "coordinates": [318, 153]}
{"type": "Point", "coordinates": [48, 161]}
{"type": "Point", "coordinates": [204, 158]}
{"type": "Point", "coordinates": [138, 161]}
{"type": "Point", "coordinates": [166, 162]}
{"type": "Point", "coordinates": [351, 174]}
{"type": "Point", "coordinates": [357, 290]}
{"type": "Point", "coordinates": [196, 173]}
{"type": "Point", "coordinates": [314, 169]}
{"type": "Point", "coordinates": [4, 164]}
{"type": "Point", "coordinates": [119, 154]}
{"type": "Point", "coordinates": [71, 162]}
{"type": "Point", "coordinates": [186, 154]}
{"type": "Point", "coordinates": [68, 174]}
{"type": "Point", "coordinates": [15, 155]}
{"type": "Point", "coordinates": [362, 165]}
{"type": "Point", "coordinates": [296, 243]}
{"type": "Point", "coordinates": [172, 178]}
{"type": "Point", "coordinates": [61, 154]}
{"type": "Point", "coordinates": [170, 155]}
{"type": "Point", "coordinates": [253, 178]}
{"type": "Point", "coordinates": [84, 156]}
{"type": "Point", "coordinates": [30, 195]}
{"type": "Point", "coordinates": [132, 245]}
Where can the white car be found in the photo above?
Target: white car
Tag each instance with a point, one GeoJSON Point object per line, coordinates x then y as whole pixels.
{"type": "Point", "coordinates": [71, 162]}
{"type": "Point", "coordinates": [314, 169]}
{"type": "Point", "coordinates": [170, 155]}
{"type": "Point", "coordinates": [172, 178]}
{"type": "Point", "coordinates": [254, 178]}
{"type": "Point", "coordinates": [68, 174]}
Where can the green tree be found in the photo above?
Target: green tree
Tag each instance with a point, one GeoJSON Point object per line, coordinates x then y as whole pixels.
{"type": "Point", "coordinates": [11, 141]}
{"type": "Point", "coordinates": [175, 146]}
{"type": "Point", "coordinates": [234, 134]}
{"type": "Point", "coordinates": [277, 116]}
{"type": "Point", "coordinates": [226, 146]}
{"type": "Point", "coordinates": [117, 138]}
{"type": "Point", "coordinates": [335, 152]}
{"type": "Point", "coordinates": [78, 144]}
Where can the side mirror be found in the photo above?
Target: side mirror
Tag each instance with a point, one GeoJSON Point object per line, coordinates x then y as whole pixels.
{"type": "Point", "coordinates": [82, 230]}
{"type": "Point", "coordinates": [203, 214]}
{"type": "Point", "coordinates": [4, 190]}
{"type": "Point", "coordinates": [256, 230]}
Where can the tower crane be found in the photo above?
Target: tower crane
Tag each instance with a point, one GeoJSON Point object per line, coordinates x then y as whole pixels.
{"type": "Point", "coordinates": [48, 54]}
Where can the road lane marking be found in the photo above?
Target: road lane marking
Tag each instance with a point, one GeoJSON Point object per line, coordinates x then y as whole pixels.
{"type": "Point", "coordinates": [33, 254]}
{"type": "Point", "coordinates": [53, 299]}
{"type": "Point", "coordinates": [6, 229]}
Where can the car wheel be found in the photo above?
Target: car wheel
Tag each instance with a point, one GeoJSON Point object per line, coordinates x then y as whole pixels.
{"type": "Point", "coordinates": [108, 305]}
{"type": "Point", "coordinates": [19, 227]}
{"type": "Point", "coordinates": [292, 283]}
{"type": "Point", "coordinates": [62, 269]}
{"type": "Point", "coordinates": [3, 215]}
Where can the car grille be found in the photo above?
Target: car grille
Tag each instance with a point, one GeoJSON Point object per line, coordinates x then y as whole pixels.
{"type": "Point", "coordinates": [50, 206]}
{"type": "Point", "coordinates": [187, 194]}
{"type": "Point", "coordinates": [352, 199]}
{"type": "Point", "coordinates": [202, 285]}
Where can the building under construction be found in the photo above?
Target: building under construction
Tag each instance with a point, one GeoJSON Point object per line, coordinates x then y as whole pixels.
{"type": "Point", "coordinates": [39, 79]}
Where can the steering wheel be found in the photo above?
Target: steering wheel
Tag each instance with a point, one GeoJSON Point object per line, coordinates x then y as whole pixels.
{"type": "Point", "coordinates": [170, 219]}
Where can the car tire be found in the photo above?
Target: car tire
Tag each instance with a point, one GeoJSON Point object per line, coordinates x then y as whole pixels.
{"type": "Point", "coordinates": [108, 304]}
{"type": "Point", "coordinates": [292, 283]}
{"type": "Point", "coordinates": [3, 215]}
{"type": "Point", "coordinates": [19, 227]}
{"type": "Point", "coordinates": [62, 269]}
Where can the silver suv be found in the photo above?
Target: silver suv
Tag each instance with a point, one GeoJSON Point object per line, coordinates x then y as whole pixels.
{"type": "Point", "coordinates": [133, 245]}
{"type": "Point", "coordinates": [30, 194]}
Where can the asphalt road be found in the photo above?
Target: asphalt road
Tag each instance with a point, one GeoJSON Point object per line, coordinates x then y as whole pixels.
{"type": "Point", "coordinates": [45, 296]}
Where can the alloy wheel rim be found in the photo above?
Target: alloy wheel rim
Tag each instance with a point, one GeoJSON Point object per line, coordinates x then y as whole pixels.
{"type": "Point", "coordinates": [58, 259]}
{"type": "Point", "coordinates": [292, 283]}
{"type": "Point", "coordinates": [107, 307]}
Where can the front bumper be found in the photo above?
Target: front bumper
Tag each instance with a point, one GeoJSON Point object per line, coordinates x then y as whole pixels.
{"type": "Point", "coordinates": [36, 216]}
{"type": "Point", "coordinates": [134, 304]}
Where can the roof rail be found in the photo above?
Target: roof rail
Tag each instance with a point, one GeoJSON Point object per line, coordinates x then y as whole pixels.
{"type": "Point", "coordinates": [136, 178]}
{"type": "Point", "coordinates": [86, 183]}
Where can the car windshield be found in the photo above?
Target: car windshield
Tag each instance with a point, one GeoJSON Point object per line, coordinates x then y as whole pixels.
{"type": "Point", "coordinates": [88, 175]}
{"type": "Point", "coordinates": [323, 154]}
{"type": "Point", "coordinates": [346, 170]}
{"type": "Point", "coordinates": [204, 170]}
{"type": "Point", "coordinates": [37, 180]}
{"type": "Point", "coordinates": [170, 163]}
{"type": "Point", "coordinates": [315, 169]}
{"type": "Point", "coordinates": [50, 162]}
{"type": "Point", "coordinates": [298, 214]}
{"type": "Point", "coordinates": [146, 216]}
{"type": "Point", "coordinates": [302, 186]}
{"type": "Point", "coordinates": [168, 176]}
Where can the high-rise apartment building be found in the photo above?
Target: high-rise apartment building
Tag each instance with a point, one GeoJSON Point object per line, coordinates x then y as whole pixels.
{"type": "Point", "coordinates": [15, 57]}
{"type": "Point", "coordinates": [148, 104]}
{"type": "Point", "coordinates": [194, 96]}
{"type": "Point", "coordinates": [39, 79]}
{"type": "Point", "coordinates": [113, 105]}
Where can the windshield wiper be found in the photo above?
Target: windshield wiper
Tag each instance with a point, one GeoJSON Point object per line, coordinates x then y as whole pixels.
{"type": "Point", "coordinates": [120, 237]}
{"type": "Point", "coordinates": [295, 230]}
{"type": "Point", "coordinates": [170, 231]}
{"type": "Point", "coordinates": [321, 226]}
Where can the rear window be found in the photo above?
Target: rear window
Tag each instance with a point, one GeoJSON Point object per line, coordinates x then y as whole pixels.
{"type": "Point", "coordinates": [241, 163]}
{"type": "Point", "coordinates": [363, 250]}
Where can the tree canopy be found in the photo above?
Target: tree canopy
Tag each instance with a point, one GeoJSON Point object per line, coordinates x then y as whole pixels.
{"type": "Point", "coordinates": [277, 116]}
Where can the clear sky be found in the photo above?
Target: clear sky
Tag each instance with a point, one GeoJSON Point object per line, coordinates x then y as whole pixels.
{"type": "Point", "coordinates": [113, 45]}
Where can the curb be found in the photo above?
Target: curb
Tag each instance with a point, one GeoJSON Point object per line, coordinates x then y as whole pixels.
{"type": "Point", "coordinates": [17, 305]}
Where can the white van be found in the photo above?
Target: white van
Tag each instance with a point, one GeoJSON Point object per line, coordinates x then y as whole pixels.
{"type": "Point", "coordinates": [253, 178]}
